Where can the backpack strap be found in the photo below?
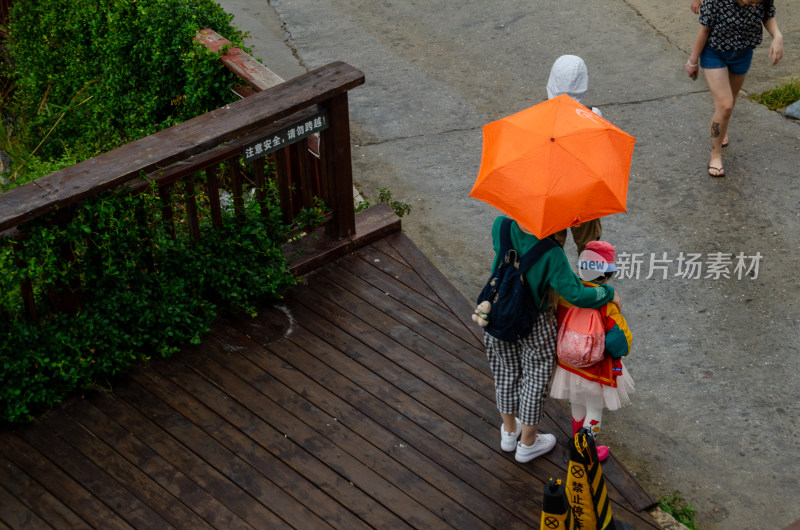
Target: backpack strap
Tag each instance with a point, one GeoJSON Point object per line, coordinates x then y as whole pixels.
{"type": "Point", "coordinates": [533, 255]}
{"type": "Point", "coordinates": [505, 237]}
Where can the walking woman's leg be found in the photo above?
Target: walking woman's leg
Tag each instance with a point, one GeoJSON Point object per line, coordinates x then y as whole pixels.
{"type": "Point", "coordinates": [736, 85]}
{"type": "Point", "coordinates": [719, 82]}
{"type": "Point", "coordinates": [736, 81]}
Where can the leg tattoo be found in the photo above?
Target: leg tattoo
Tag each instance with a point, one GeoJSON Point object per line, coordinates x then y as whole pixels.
{"type": "Point", "coordinates": [714, 129]}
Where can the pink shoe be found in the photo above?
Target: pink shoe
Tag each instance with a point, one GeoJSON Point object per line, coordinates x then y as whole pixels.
{"type": "Point", "coordinates": [576, 425]}
{"type": "Point", "coordinates": [602, 452]}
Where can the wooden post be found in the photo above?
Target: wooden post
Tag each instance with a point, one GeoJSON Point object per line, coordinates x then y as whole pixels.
{"type": "Point", "coordinates": [192, 218]}
{"type": "Point", "coordinates": [66, 297]}
{"type": "Point", "coordinates": [283, 173]}
{"type": "Point", "coordinates": [26, 287]}
{"type": "Point", "coordinates": [295, 177]}
{"type": "Point", "coordinates": [261, 185]}
{"type": "Point", "coordinates": [142, 224]}
{"type": "Point", "coordinates": [212, 188]}
{"type": "Point", "coordinates": [338, 169]}
{"type": "Point", "coordinates": [236, 188]}
{"type": "Point", "coordinates": [306, 180]}
{"type": "Point", "coordinates": [167, 216]}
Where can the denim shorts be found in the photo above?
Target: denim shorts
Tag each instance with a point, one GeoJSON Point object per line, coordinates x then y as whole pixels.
{"type": "Point", "coordinates": [737, 61]}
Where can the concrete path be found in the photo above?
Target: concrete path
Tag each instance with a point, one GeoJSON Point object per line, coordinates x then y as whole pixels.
{"type": "Point", "coordinates": [715, 357]}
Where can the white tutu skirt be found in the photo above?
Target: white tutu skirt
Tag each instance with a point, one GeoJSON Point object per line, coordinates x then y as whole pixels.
{"type": "Point", "coordinates": [567, 385]}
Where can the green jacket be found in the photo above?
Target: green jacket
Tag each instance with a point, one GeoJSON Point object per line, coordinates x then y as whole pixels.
{"type": "Point", "coordinates": [552, 269]}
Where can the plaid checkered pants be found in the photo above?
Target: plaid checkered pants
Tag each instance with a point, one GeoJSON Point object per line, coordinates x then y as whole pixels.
{"type": "Point", "coordinates": [522, 369]}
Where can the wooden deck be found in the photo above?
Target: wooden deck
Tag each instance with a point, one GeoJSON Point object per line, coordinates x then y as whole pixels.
{"type": "Point", "coordinates": [363, 400]}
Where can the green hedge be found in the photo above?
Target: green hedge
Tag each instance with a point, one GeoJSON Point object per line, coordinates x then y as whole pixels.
{"type": "Point", "coordinates": [89, 76]}
{"type": "Point", "coordinates": [92, 75]}
{"type": "Point", "coordinates": [146, 292]}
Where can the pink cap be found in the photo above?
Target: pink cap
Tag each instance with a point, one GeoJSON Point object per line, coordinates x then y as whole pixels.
{"type": "Point", "coordinates": [600, 252]}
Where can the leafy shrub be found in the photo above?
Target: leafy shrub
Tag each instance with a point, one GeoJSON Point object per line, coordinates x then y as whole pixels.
{"type": "Point", "coordinates": [89, 76]}
{"type": "Point", "coordinates": [145, 291]}
{"type": "Point", "coordinates": [93, 75]}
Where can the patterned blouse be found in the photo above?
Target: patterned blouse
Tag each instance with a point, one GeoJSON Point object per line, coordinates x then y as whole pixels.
{"type": "Point", "coordinates": [734, 27]}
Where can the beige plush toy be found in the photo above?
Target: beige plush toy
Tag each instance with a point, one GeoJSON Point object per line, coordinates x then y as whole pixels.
{"type": "Point", "coordinates": [481, 315]}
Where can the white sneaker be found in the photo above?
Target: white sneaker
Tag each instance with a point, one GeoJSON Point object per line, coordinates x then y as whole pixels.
{"type": "Point", "coordinates": [508, 440]}
{"type": "Point", "coordinates": [544, 443]}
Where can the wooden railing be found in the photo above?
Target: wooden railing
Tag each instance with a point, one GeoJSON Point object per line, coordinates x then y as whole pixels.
{"type": "Point", "coordinates": [249, 129]}
{"type": "Point", "coordinates": [259, 78]}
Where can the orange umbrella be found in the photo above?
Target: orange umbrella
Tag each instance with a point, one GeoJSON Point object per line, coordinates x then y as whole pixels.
{"type": "Point", "coordinates": [554, 165]}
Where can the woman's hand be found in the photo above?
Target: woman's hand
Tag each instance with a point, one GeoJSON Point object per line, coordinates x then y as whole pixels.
{"type": "Point", "coordinates": [695, 7]}
{"type": "Point", "coordinates": [692, 69]}
{"type": "Point", "coordinates": [776, 49]}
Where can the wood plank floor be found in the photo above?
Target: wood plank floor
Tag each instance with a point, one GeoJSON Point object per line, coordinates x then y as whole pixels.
{"type": "Point", "coordinates": [362, 400]}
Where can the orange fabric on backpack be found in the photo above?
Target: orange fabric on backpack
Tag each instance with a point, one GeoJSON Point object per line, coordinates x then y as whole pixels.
{"type": "Point", "coordinates": [581, 337]}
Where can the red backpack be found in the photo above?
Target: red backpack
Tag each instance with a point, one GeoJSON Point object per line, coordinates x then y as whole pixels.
{"type": "Point", "coordinates": [581, 337]}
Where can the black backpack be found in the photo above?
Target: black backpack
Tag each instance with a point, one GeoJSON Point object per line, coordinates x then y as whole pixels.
{"type": "Point", "coordinates": [513, 312]}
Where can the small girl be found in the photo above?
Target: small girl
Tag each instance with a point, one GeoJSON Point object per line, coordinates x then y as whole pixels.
{"type": "Point", "coordinates": [605, 384]}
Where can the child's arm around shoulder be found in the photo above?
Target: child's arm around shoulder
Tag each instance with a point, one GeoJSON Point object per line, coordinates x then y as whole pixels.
{"type": "Point", "coordinates": [618, 335]}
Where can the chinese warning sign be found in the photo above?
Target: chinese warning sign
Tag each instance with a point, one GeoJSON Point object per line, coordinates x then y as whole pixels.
{"type": "Point", "coordinates": [285, 137]}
